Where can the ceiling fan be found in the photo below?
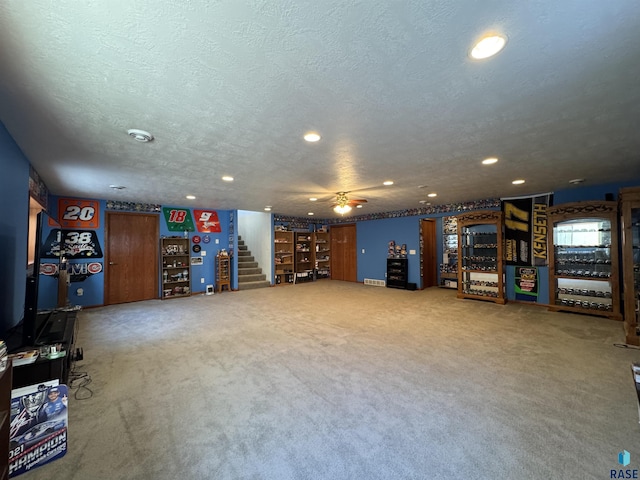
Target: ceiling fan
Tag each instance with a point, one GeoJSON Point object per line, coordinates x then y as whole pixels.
{"type": "Point", "coordinates": [343, 204]}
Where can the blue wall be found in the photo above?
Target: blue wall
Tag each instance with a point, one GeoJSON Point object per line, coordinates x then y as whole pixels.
{"type": "Point", "coordinates": [93, 286]}
{"type": "Point", "coordinates": [14, 226]}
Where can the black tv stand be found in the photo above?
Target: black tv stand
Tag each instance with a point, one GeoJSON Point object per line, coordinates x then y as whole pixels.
{"type": "Point", "coordinates": [44, 369]}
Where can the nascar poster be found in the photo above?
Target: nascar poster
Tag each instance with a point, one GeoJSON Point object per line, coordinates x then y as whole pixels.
{"type": "Point", "coordinates": [178, 219]}
{"type": "Point", "coordinates": [38, 428]}
{"type": "Point", "coordinates": [525, 229]}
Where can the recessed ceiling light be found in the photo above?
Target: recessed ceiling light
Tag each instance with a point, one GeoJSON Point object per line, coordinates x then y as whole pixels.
{"type": "Point", "coordinates": [117, 187]}
{"type": "Point", "coordinates": [313, 199]}
{"type": "Point", "coordinates": [518, 182]}
{"type": "Point", "coordinates": [488, 46]}
{"type": "Point", "coordinates": [140, 135]}
{"type": "Point", "coordinates": [489, 161]}
{"type": "Point", "coordinates": [432, 195]}
{"type": "Point", "coordinates": [359, 205]}
{"type": "Point", "coordinates": [311, 137]}
{"type": "Point", "coordinates": [227, 178]}
{"type": "Point", "coordinates": [576, 181]}
{"type": "Point", "coordinates": [310, 213]}
{"type": "Point", "coordinates": [191, 197]}
{"type": "Point", "coordinates": [387, 182]}
{"type": "Point", "coordinates": [267, 208]}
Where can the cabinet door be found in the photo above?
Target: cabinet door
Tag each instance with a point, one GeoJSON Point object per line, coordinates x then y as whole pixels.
{"type": "Point", "coordinates": [630, 211]}
{"type": "Point", "coordinates": [583, 260]}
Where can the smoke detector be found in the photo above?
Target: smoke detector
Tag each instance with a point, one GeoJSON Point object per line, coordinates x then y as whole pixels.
{"type": "Point", "coordinates": [140, 135]}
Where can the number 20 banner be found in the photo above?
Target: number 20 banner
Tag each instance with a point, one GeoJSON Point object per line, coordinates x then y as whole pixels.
{"type": "Point", "coordinates": [525, 229]}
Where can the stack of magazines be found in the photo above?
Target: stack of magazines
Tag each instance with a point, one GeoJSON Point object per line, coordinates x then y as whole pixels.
{"type": "Point", "coordinates": [3, 356]}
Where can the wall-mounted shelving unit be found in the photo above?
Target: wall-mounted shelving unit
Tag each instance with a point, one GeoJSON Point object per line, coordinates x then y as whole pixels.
{"type": "Point", "coordinates": [630, 228]}
{"type": "Point", "coordinates": [583, 259]}
{"type": "Point", "coordinates": [323, 254]}
{"type": "Point", "coordinates": [176, 267]}
{"type": "Point", "coordinates": [480, 260]}
{"type": "Point", "coordinates": [283, 251]}
{"type": "Point", "coordinates": [449, 265]}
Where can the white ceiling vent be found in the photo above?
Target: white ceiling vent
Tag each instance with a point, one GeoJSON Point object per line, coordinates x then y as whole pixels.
{"type": "Point", "coordinates": [140, 135]}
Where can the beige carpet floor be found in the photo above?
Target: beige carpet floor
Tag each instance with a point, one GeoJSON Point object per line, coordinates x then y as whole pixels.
{"type": "Point", "coordinates": [336, 380]}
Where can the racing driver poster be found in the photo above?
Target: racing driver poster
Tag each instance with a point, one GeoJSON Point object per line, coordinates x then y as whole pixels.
{"type": "Point", "coordinates": [38, 428]}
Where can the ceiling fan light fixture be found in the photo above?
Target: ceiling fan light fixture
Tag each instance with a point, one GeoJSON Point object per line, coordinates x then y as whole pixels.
{"type": "Point", "coordinates": [488, 46]}
{"type": "Point", "coordinates": [342, 209]}
{"type": "Point", "coordinates": [140, 135]}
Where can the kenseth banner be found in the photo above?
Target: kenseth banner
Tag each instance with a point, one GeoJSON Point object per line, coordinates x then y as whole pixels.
{"type": "Point", "coordinates": [525, 221]}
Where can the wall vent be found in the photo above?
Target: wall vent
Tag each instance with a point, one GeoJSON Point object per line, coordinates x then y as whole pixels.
{"type": "Point", "coordinates": [374, 282]}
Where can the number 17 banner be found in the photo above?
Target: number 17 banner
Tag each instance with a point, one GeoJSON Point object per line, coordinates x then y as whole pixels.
{"type": "Point", "coordinates": [525, 229]}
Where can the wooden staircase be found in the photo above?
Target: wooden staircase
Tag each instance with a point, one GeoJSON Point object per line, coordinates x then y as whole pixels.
{"type": "Point", "coordinates": [249, 273]}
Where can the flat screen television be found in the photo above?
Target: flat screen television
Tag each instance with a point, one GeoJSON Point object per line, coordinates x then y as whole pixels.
{"type": "Point", "coordinates": [46, 279]}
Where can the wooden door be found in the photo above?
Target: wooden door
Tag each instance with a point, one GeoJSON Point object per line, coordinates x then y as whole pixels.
{"type": "Point", "coordinates": [429, 263]}
{"type": "Point", "coordinates": [131, 261]}
{"type": "Point", "coordinates": [344, 265]}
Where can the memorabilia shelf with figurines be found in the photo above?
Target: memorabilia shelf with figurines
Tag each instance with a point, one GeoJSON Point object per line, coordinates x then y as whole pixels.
{"type": "Point", "coordinates": [283, 251]}
{"type": "Point", "coordinates": [304, 256]}
{"type": "Point", "coordinates": [176, 268]}
{"type": "Point", "coordinates": [630, 228]}
{"type": "Point", "coordinates": [323, 252]}
{"type": "Point", "coordinates": [480, 259]}
{"type": "Point", "coordinates": [583, 258]}
{"type": "Point", "coordinates": [449, 265]}
{"type": "Point", "coordinates": [223, 270]}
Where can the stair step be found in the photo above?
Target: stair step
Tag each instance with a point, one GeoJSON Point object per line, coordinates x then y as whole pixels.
{"type": "Point", "coordinates": [251, 278]}
{"type": "Point", "coordinates": [245, 259]}
{"type": "Point", "coordinates": [242, 265]}
{"type": "Point", "coordinates": [251, 285]}
{"type": "Point", "coordinates": [250, 270]}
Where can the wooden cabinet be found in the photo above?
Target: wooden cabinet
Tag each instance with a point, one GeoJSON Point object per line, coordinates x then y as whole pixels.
{"type": "Point", "coordinates": [5, 415]}
{"type": "Point", "coordinates": [176, 268]}
{"type": "Point", "coordinates": [583, 259]}
{"type": "Point", "coordinates": [283, 247]}
{"type": "Point", "coordinates": [449, 265]}
{"type": "Point", "coordinates": [323, 254]}
{"type": "Point", "coordinates": [630, 228]}
{"type": "Point", "coordinates": [480, 259]}
{"type": "Point", "coordinates": [304, 256]}
{"type": "Point", "coordinates": [223, 271]}
{"type": "Point", "coordinates": [397, 272]}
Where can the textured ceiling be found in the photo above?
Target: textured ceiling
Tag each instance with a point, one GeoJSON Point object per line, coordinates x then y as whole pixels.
{"type": "Point", "coordinates": [229, 87]}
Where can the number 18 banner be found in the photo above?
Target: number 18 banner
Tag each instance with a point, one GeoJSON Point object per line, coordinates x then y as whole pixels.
{"type": "Point", "coordinates": [525, 229]}
{"type": "Point", "coordinates": [178, 219]}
